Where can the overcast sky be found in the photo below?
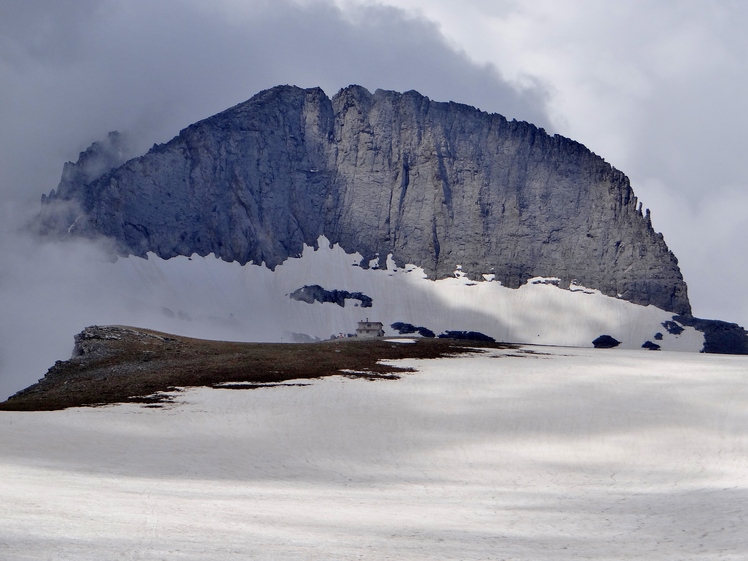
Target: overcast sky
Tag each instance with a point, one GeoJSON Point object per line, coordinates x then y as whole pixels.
{"type": "Point", "coordinates": [657, 88]}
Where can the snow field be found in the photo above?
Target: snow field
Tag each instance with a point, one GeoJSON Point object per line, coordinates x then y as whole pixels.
{"type": "Point", "coordinates": [573, 454]}
{"type": "Point", "coordinates": [209, 298]}
{"type": "Point", "coordinates": [254, 302]}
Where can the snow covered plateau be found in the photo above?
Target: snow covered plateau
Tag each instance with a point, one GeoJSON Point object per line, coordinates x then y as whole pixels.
{"type": "Point", "coordinates": [537, 453]}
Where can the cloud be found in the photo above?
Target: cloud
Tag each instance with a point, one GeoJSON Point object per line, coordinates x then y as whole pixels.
{"type": "Point", "coordinates": [45, 30]}
{"type": "Point", "coordinates": [73, 71]}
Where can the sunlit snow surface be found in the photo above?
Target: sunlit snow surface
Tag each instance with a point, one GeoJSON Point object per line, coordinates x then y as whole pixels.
{"type": "Point", "coordinates": [574, 454]}
{"type": "Point", "coordinates": [253, 302]}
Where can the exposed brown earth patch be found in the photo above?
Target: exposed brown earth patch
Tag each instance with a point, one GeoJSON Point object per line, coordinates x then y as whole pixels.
{"type": "Point", "coordinates": [116, 364]}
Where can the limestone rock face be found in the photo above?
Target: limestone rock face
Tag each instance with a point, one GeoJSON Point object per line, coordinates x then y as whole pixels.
{"type": "Point", "coordinates": [434, 184]}
{"type": "Point", "coordinates": [61, 210]}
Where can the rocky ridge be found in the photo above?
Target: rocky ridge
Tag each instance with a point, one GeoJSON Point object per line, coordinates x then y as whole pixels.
{"type": "Point", "coordinates": [120, 364]}
{"type": "Point", "coordinates": [433, 184]}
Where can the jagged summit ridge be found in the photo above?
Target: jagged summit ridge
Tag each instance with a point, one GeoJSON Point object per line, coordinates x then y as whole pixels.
{"type": "Point", "coordinates": [434, 184]}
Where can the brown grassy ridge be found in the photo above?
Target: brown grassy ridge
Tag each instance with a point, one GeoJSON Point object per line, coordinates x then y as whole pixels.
{"type": "Point", "coordinates": [119, 364]}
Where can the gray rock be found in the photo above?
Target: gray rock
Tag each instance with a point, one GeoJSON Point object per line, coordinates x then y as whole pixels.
{"type": "Point", "coordinates": [467, 336]}
{"type": "Point", "coordinates": [605, 342]}
{"type": "Point", "coordinates": [433, 184]}
{"type": "Point", "coordinates": [315, 293]}
{"type": "Point", "coordinates": [720, 337]}
{"type": "Point", "coordinates": [62, 210]}
{"type": "Point", "coordinates": [672, 327]}
{"type": "Point", "coordinates": [404, 328]}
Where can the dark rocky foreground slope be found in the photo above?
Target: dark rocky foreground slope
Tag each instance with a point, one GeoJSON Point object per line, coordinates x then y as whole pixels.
{"type": "Point", "coordinates": [117, 364]}
{"type": "Point", "coordinates": [433, 184]}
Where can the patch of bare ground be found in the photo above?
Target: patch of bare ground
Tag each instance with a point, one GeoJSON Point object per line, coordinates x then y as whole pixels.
{"type": "Point", "coordinates": [117, 364]}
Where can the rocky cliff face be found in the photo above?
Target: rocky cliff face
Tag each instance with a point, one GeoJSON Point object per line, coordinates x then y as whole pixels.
{"type": "Point", "coordinates": [434, 184]}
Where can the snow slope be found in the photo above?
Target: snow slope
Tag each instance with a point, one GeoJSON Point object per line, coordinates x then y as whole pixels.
{"type": "Point", "coordinates": [255, 303]}
{"type": "Point", "coordinates": [209, 298]}
{"type": "Point", "coordinates": [573, 454]}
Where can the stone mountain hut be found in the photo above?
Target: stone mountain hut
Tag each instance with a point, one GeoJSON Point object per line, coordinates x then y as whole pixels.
{"type": "Point", "coordinates": [370, 329]}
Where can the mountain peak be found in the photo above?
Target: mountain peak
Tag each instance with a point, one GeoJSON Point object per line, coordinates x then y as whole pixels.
{"type": "Point", "coordinates": [430, 183]}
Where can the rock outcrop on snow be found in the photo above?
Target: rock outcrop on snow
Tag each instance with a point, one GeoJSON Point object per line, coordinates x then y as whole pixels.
{"type": "Point", "coordinates": [606, 342]}
{"type": "Point", "coordinates": [720, 337]}
{"type": "Point", "coordinates": [433, 184]}
{"type": "Point", "coordinates": [315, 293]}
